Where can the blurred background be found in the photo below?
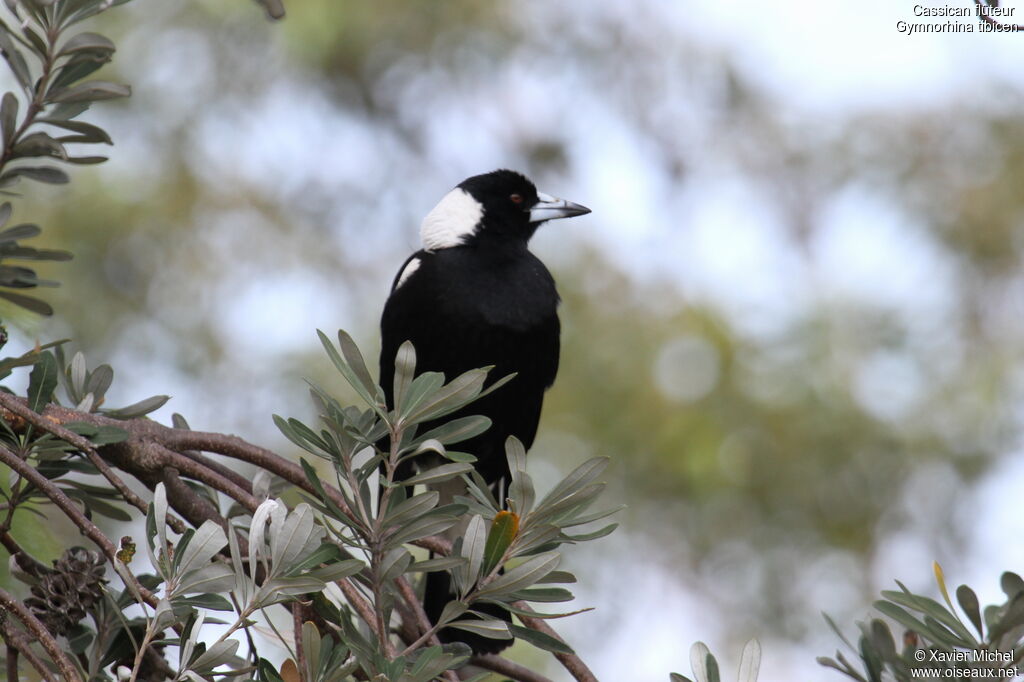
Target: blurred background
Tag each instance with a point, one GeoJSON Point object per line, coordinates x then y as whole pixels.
{"type": "Point", "coordinates": [794, 320]}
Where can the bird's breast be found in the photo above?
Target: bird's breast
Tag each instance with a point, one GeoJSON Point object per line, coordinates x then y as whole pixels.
{"type": "Point", "coordinates": [514, 295]}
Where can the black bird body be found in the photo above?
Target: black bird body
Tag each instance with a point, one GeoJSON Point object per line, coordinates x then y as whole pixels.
{"type": "Point", "coordinates": [479, 305]}
{"type": "Point", "coordinates": [474, 297]}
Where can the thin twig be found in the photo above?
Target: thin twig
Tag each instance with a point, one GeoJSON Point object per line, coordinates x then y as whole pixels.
{"type": "Point", "coordinates": [573, 663]}
{"type": "Point", "coordinates": [507, 668]}
{"type": "Point", "coordinates": [65, 504]}
{"type": "Point", "coordinates": [427, 630]}
{"type": "Point", "coordinates": [18, 641]}
{"type": "Point", "coordinates": [42, 635]}
{"type": "Point", "coordinates": [23, 559]}
{"type": "Point", "coordinates": [300, 650]}
{"type": "Point", "coordinates": [83, 444]}
{"type": "Point", "coordinates": [144, 433]}
{"type": "Point", "coordinates": [361, 605]}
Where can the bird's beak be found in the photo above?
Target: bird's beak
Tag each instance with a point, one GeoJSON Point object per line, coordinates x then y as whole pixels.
{"type": "Point", "coordinates": [549, 208]}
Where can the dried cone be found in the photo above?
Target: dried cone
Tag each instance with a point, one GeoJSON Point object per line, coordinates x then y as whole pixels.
{"type": "Point", "coordinates": [64, 595]}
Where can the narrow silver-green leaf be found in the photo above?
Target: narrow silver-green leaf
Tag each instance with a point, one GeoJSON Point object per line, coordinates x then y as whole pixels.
{"type": "Point", "coordinates": [750, 662]}
{"type": "Point", "coordinates": [473, 543]}
{"type": "Point", "coordinates": [524, 575]}
{"type": "Point", "coordinates": [492, 629]}
{"type": "Point", "coordinates": [405, 372]}
{"type": "Point", "coordinates": [209, 539]}
{"type": "Point", "coordinates": [541, 640]}
{"type": "Point", "coordinates": [439, 473]}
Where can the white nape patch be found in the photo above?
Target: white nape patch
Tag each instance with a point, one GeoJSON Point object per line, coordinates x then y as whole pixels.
{"type": "Point", "coordinates": [454, 218]}
{"type": "Point", "coordinates": [407, 271]}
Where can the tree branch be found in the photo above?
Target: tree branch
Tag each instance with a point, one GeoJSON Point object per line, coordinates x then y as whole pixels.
{"type": "Point", "coordinates": [571, 662]}
{"type": "Point", "coordinates": [12, 605]}
{"type": "Point", "coordinates": [19, 643]}
{"type": "Point", "coordinates": [507, 668]}
{"type": "Point", "coordinates": [65, 504]}
{"type": "Point", "coordinates": [156, 453]}
{"type": "Point", "coordinates": [15, 406]}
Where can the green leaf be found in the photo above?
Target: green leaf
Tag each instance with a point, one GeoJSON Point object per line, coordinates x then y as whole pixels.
{"type": "Point", "coordinates": [438, 474]}
{"type": "Point", "coordinates": [543, 594]}
{"type": "Point", "coordinates": [541, 640]}
{"type": "Point", "coordinates": [900, 616]}
{"type": "Point", "coordinates": [42, 382]}
{"type": "Point", "coordinates": [450, 397]}
{"type": "Point", "coordinates": [968, 601]}
{"type": "Point", "coordinates": [8, 116]}
{"type": "Point", "coordinates": [90, 91]}
{"type": "Point", "coordinates": [395, 563]}
{"type": "Point", "coordinates": [458, 430]}
{"type": "Point", "coordinates": [577, 501]}
{"type": "Point", "coordinates": [79, 639]}
{"type": "Point", "coordinates": [579, 477]}
{"type": "Point", "coordinates": [492, 629]}
{"type": "Point", "coordinates": [473, 541]}
{"type": "Point", "coordinates": [423, 386]}
{"type": "Point", "coordinates": [99, 380]}
{"type": "Point", "coordinates": [214, 602]}
{"type": "Point", "coordinates": [600, 533]}
{"type": "Point", "coordinates": [97, 506]}
{"type": "Point", "coordinates": [438, 564]}
{"type": "Point", "coordinates": [750, 662]}
{"type": "Point", "coordinates": [503, 531]}
{"type": "Point", "coordinates": [86, 131]}
{"type": "Point", "coordinates": [337, 571]}
{"type": "Point", "coordinates": [512, 608]}
{"type": "Point", "coordinates": [139, 409]}
{"type": "Point", "coordinates": [274, 8]}
{"type": "Point", "coordinates": [1011, 584]}
{"type": "Point", "coordinates": [522, 576]}
{"type": "Point", "coordinates": [558, 577]}
{"type": "Point", "coordinates": [213, 577]}
{"type": "Point", "coordinates": [105, 435]}
{"type": "Point", "coordinates": [934, 609]}
{"type": "Point", "coordinates": [50, 174]}
{"type": "Point", "coordinates": [699, 656]}
{"type": "Point", "coordinates": [219, 653]}
{"type": "Point", "coordinates": [86, 160]}
{"type": "Point", "coordinates": [713, 675]}
{"type": "Point", "coordinates": [38, 144]}
{"type": "Point", "coordinates": [421, 528]}
{"type": "Point", "coordinates": [202, 546]}
{"type": "Point", "coordinates": [405, 371]}
{"type": "Point", "coordinates": [15, 59]}
{"type": "Point", "coordinates": [352, 367]}
{"type": "Point", "coordinates": [412, 508]}
{"type": "Point", "coordinates": [91, 42]}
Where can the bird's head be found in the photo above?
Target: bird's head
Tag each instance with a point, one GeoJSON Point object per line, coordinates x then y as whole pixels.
{"type": "Point", "coordinates": [502, 206]}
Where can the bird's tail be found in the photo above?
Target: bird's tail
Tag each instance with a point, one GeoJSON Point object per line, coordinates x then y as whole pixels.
{"type": "Point", "coordinates": [438, 593]}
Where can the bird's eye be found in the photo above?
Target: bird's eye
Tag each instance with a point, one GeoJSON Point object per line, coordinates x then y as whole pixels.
{"type": "Point", "coordinates": [516, 199]}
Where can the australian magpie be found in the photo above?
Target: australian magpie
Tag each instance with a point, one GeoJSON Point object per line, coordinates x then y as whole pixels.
{"type": "Point", "coordinates": [474, 296]}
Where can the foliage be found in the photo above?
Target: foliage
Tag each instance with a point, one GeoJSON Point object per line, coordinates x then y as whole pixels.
{"type": "Point", "coordinates": [504, 557]}
{"type": "Point", "coordinates": [937, 643]}
{"type": "Point", "coordinates": [705, 665]}
{"type": "Point", "coordinates": [50, 66]}
{"type": "Point", "coordinates": [359, 536]}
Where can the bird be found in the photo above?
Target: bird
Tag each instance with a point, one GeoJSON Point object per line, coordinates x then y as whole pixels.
{"type": "Point", "coordinates": [475, 296]}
